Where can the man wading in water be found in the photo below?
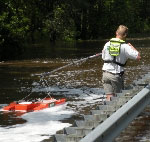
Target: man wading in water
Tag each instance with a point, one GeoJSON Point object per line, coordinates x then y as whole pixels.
{"type": "Point", "coordinates": [115, 54]}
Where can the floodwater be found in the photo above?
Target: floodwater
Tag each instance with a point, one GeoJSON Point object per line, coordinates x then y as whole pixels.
{"type": "Point", "coordinates": [27, 79]}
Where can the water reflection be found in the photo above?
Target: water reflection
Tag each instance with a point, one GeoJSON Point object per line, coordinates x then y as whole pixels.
{"type": "Point", "coordinates": [10, 119]}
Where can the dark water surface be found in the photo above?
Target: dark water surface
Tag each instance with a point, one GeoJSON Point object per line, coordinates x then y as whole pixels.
{"type": "Point", "coordinates": [21, 79]}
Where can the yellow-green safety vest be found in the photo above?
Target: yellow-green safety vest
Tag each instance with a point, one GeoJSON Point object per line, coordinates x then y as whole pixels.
{"type": "Point", "coordinates": [114, 48]}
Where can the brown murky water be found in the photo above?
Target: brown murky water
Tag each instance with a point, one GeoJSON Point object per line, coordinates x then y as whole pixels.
{"type": "Point", "coordinates": [138, 130]}
{"type": "Point", "coordinates": [21, 78]}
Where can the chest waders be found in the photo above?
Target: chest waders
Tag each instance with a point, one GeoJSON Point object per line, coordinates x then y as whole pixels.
{"type": "Point", "coordinates": [114, 50]}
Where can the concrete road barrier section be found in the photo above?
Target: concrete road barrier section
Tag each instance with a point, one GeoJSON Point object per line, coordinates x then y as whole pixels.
{"type": "Point", "coordinates": [106, 122]}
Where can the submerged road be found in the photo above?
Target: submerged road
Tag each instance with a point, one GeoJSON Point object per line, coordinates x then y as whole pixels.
{"type": "Point", "coordinates": [79, 84]}
{"type": "Point", "coordinates": [113, 117]}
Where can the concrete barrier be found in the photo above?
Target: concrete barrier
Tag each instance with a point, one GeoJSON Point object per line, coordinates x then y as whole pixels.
{"type": "Point", "coordinates": [106, 122]}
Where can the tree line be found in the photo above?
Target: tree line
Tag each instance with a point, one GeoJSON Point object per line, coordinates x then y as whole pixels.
{"type": "Point", "coordinates": [30, 20]}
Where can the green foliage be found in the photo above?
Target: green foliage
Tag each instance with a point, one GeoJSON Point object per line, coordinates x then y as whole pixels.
{"type": "Point", "coordinates": [69, 20]}
{"type": "Point", "coordinates": [59, 26]}
{"type": "Point", "coordinates": [147, 26]}
{"type": "Point", "coordinates": [13, 24]}
{"type": "Point", "coordinates": [13, 30]}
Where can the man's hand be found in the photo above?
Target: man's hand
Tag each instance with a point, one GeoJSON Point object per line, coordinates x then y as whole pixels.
{"type": "Point", "coordinates": [138, 57]}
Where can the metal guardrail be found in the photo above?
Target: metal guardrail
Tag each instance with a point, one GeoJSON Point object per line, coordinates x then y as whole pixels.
{"type": "Point", "coordinates": [106, 122]}
{"type": "Point", "coordinates": [112, 126]}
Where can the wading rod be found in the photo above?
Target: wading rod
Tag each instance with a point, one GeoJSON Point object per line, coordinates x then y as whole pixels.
{"type": "Point", "coordinates": [73, 63]}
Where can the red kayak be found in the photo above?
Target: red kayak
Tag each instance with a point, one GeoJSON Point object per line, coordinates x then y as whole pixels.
{"type": "Point", "coordinates": [34, 106]}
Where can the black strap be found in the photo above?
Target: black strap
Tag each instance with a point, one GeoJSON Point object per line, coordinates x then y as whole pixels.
{"type": "Point", "coordinates": [121, 73]}
{"type": "Point", "coordinates": [114, 61]}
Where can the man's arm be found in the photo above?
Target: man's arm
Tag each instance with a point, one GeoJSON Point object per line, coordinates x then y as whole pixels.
{"type": "Point", "coordinates": [139, 56]}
